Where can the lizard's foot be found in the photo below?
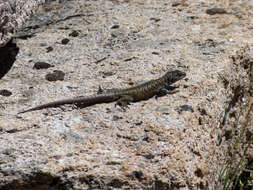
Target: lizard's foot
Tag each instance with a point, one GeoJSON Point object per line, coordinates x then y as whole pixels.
{"type": "Point", "coordinates": [123, 105]}
{"type": "Point", "coordinates": [100, 90]}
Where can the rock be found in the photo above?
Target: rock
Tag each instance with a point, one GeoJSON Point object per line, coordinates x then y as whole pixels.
{"type": "Point", "coordinates": [149, 145]}
{"type": "Point", "coordinates": [213, 11]}
{"type": "Point", "coordinates": [65, 41]}
{"type": "Point", "coordinates": [5, 92]}
{"type": "Point", "coordinates": [74, 33]}
{"type": "Point", "coordinates": [15, 18]}
{"type": "Point", "coordinates": [115, 118]}
{"type": "Point", "coordinates": [49, 48]}
{"type": "Point", "coordinates": [56, 75]}
{"type": "Point", "coordinates": [42, 65]}
{"type": "Point", "coordinates": [115, 26]}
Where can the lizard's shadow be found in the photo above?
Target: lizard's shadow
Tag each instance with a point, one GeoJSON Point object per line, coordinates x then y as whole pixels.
{"type": "Point", "coordinates": [8, 55]}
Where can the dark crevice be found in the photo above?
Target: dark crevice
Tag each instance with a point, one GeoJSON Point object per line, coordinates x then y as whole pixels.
{"type": "Point", "coordinates": [8, 55]}
{"type": "Point", "coordinates": [36, 181]}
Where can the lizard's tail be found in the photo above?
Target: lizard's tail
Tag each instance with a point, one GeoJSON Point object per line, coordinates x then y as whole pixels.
{"type": "Point", "coordinates": [84, 100]}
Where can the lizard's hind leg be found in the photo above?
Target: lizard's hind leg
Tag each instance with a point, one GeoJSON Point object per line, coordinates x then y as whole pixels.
{"type": "Point", "coordinates": [124, 101]}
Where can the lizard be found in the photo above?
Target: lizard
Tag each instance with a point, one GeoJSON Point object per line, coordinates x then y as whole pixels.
{"type": "Point", "coordinates": [123, 97]}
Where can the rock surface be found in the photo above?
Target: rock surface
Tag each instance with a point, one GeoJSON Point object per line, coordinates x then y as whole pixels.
{"type": "Point", "coordinates": [13, 15]}
{"type": "Point", "coordinates": [173, 142]}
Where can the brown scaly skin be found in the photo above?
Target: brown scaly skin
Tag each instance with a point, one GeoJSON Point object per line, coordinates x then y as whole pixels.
{"type": "Point", "coordinates": [157, 87]}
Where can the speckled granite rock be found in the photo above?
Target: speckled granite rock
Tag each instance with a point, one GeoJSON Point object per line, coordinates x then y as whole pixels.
{"type": "Point", "coordinates": [13, 15]}
{"type": "Point", "coordinates": [173, 142]}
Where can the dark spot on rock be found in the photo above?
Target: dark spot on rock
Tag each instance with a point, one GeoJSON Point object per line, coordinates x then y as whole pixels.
{"type": "Point", "coordinates": [213, 11]}
{"type": "Point", "coordinates": [138, 123]}
{"type": "Point", "coordinates": [113, 163]}
{"type": "Point", "coordinates": [138, 174]}
{"type": "Point", "coordinates": [109, 73]}
{"type": "Point", "coordinates": [185, 108]}
{"type": "Point", "coordinates": [57, 157]}
{"type": "Point", "coordinates": [115, 26]}
{"type": "Point", "coordinates": [129, 59]}
{"type": "Point", "coordinates": [65, 41]}
{"type": "Point", "coordinates": [199, 173]}
{"type": "Point", "coordinates": [192, 17]}
{"type": "Point", "coordinates": [5, 92]}
{"type": "Point", "coordinates": [42, 65]}
{"type": "Point", "coordinates": [74, 33]}
{"type": "Point", "coordinates": [228, 134]}
{"type": "Point", "coordinates": [155, 53]}
{"type": "Point", "coordinates": [146, 138]}
{"type": "Point", "coordinates": [69, 154]}
{"type": "Point", "coordinates": [131, 83]}
{"type": "Point", "coordinates": [208, 43]}
{"type": "Point", "coordinates": [43, 44]}
{"type": "Point", "coordinates": [116, 183]}
{"type": "Point", "coordinates": [201, 185]}
{"type": "Point", "coordinates": [49, 48]}
{"type": "Point", "coordinates": [155, 19]}
{"type": "Point", "coordinates": [200, 121]}
{"type": "Point", "coordinates": [202, 111]}
{"type": "Point", "coordinates": [56, 75]}
{"type": "Point", "coordinates": [175, 4]}
{"type": "Point", "coordinates": [149, 156]}
{"type": "Point", "coordinates": [129, 137]}
{"type": "Point", "coordinates": [249, 135]}
{"type": "Point", "coordinates": [116, 118]}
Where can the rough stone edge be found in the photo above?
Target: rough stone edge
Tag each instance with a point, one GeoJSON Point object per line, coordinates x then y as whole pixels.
{"type": "Point", "coordinates": [13, 15]}
{"type": "Point", "coordinates": [238, 130]}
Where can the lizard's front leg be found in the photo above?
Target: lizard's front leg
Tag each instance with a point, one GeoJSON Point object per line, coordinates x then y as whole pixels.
{"type": "Point", "coordinates": [167, 89]}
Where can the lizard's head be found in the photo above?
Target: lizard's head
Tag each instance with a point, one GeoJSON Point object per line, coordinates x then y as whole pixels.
{"type": "Point", "coordinates": [174, 76]}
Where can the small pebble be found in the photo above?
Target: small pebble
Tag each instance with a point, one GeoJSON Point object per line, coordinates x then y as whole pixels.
{"type": "Point", "coordinates": [149, 156]}
{"type": "Point", "coordinates": [69, 154]}
{"type": "Point", "coordinates": [155, 19]}
{"type": "Point", "coordinates": [42, 65]}
{"type": "Point", "coordinates": [49, 48]}
{"type": "Point", "coordinates": [175, 4]}
{"type": "Point", "coordinates": [43, 44]}
{"type": "Point", "coordinates": [155, 53]}
{"type": "Point", "coordinates": [5, 92]}
{"type": "Point", "coordinates": [214, 11]}
{"type": "Point", "coordinates": [65, 41]}
{"type": "Point", "coordinates": [138, 174]}
{"type": "Point", "coordinates": [185, 108]}
{"type": "Point", "coordinates": [109, 73]}
{"type": "Point", "coordinates": [56, 75]}
{"type": "Point", "coordinates": [116, 118]}
{"type": "Point", "coordinates": [115, 26]}
{"type": "Point", "coordinates": [74, 33]}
